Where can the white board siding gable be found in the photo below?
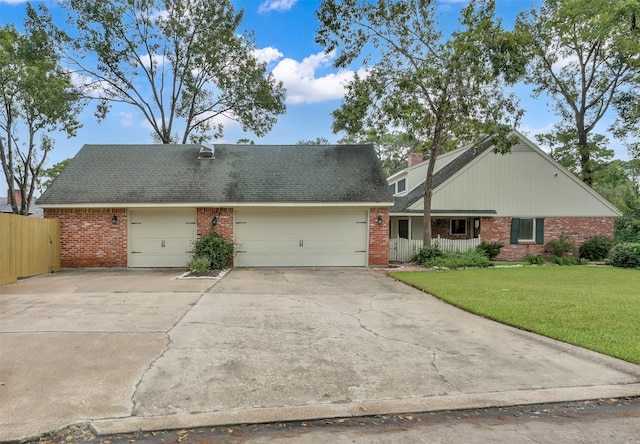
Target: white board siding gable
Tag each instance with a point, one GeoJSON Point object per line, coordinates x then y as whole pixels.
{"type": "Point", "coordinates": [524, 182]}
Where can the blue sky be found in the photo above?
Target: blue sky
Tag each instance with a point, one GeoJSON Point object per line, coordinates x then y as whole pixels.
{"type": "Point", "coordinates": [284, 31]}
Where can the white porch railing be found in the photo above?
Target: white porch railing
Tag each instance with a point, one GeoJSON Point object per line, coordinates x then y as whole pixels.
{"type": "Point", "coordinates": [401, 250]}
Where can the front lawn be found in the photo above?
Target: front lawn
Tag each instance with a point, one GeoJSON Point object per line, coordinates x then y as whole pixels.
{"type": "Point", "coordinates": [595, 308]}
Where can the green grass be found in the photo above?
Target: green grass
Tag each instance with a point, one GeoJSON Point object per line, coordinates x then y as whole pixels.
{"type": "Point", "coordinates": [595, 308]}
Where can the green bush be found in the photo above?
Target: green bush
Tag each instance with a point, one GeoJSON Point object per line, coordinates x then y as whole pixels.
{"type": "Point", "coordinates": [597, 248]}
{"type": "Point", "coordinates": [427, 254]}
{"type": "Point", "coordinates": [625, 255]}
{"type": "Point", "coordinates": [561, 247]}
{"type": "Point", "coordinates": [534, 260]}
{"type": "Point", "coordinates": [490, 249]}
{"type": "Point", "coordinates": [201, 265]}
{"type": "Point", "coordinates": [215, 248]}
{"type": "Point", "coordinates": [434, 257]}
{"type": "Point", "coordinates": [564, 260]}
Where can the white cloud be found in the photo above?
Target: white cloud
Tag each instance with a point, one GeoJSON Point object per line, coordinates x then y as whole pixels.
{"type": "Point", "coordinates": [13, 2]}
{"type": "Point", "coordinates": [303, 86]}
{"type": "Point", "coordinates": [276, 5]}
{"type": "Point", "coordinates": [148, 59]}
{"type": "Point", "coordinates": [126, 118]}
{"type": "Point", "coordinates": [90, 86]}
{"type": "Point", "coordinates": [267, 55]}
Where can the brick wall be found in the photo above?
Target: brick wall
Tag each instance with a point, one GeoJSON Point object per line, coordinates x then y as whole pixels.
{"type": "Point", "coordinates": [89, 238]}
{"type": "Point", "coordinates": [224, 222]}
{"type": "Point", "coordinates": [580, 230]}
{"type": "Point", "coordinates": [378, 237]}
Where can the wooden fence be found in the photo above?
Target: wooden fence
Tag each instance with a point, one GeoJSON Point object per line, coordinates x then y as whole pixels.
{"type": "Point", "coordinates": [28, 246]}
{"type": "Point", "coordinates": [401, 250]}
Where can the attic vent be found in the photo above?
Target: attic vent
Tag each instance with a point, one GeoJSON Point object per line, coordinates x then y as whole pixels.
{"type": "Point", "coordinates": [206, 152]}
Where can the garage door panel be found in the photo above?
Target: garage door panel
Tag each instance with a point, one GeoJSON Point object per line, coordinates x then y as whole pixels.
{"type": "Point", "coordinates": [301, 237]}
{"type": "Point", "coordinates": [161, 237]}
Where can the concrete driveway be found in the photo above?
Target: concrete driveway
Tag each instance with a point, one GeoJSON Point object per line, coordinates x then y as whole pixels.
{"type": "Point", "coordinates": [127, 350]}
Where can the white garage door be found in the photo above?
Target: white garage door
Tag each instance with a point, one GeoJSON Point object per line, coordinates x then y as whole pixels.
{"type": "Point", "coordinates": [161, 238]}
{"type": "Point", "coordinates": [279, 237]}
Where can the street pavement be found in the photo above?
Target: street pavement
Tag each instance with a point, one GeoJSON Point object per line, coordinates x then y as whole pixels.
{"type": "Point", "coordinates": [130, 350]}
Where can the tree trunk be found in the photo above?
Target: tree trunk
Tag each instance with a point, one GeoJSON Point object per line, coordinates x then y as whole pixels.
{"type": "Point", "coordinates": [586, 166]}
{"type": "Point", "coordinates": [428, 193]}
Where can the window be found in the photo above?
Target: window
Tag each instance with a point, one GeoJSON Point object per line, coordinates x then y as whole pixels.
{"type": "Point", "coordinates": [526, 231]}
{"type": "Point", "coordinates": [402, 185]}
{"type": "Point", "coordinates": [403, 228]}
{"type": "Point", "coordinates": [458, 226]}
{"type": "Point", "coordinates": [392, 188]}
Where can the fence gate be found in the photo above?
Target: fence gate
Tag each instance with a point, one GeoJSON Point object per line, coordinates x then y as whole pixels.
{"type": "Point", "coordinates": [28, 246]}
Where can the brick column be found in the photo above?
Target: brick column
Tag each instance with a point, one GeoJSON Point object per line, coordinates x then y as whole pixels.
{"type": "Point", "coordinates": [378, 237]}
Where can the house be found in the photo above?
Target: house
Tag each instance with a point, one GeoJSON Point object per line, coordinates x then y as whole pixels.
{"type": "Point", "coordinates": [5, 205]}
{"type": "Point", "coordinates": [523, 199]}
{"type": "Point", "coordinates": [297, 205]}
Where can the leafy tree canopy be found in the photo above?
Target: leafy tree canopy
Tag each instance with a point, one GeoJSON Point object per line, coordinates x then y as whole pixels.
{"type": "Point", "coordinates": [182, 63]}
{"type": "Point", "coordinates": [36, 97]}
{"type": "Point", "coordinates": [441, 93]}
{"type": "Point", "coordinates": [584, 55]}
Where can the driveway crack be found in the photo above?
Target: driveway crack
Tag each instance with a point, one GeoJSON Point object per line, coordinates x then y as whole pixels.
{"type": "Point", "coordinates": [168, 343]}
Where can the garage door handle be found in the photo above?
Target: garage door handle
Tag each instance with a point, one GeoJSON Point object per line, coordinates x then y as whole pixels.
{"type": "Point", "coordinates": [162, 244]}
{"type": "Point", "coordinates": [301, 243]}
{"type": "Point", "coordinates": [136, 252]}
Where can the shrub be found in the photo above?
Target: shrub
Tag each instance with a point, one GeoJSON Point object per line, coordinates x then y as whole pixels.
{"type": "Point", "coordinates": [201, 265]}
{"type": "Point", "coordinates": [596, 248]}
{"type": "Point", "coordinates": [534, 260]}
{"type": "Point", "coordinates": [426, 254]}
{"type": "Point", "coordinates": [462, 260]}
{"type": "Point", "coordinates": [625, 255]}
{"type": "Point", "coordinates": [490, 249]}
{"type": "Point", "coordinates": [564, 260]}
{"type": "Point", "coordinates": [434, 257]}
{"type": "Point", "coordinates": [561, 247]}
{"type": "Point", "coordinates": [215, 248]}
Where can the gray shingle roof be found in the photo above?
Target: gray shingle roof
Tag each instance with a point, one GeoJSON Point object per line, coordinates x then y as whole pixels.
{"type": "Point", "coordinates": [165, 174]}
{"type": "Point", "coordinates": [402, 203]}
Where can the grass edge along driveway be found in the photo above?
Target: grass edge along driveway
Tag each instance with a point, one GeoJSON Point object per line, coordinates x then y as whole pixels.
{"type": "Point", "coordinates": [597, 308]}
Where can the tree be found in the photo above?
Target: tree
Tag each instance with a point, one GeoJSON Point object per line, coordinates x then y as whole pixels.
{"type": "Point", "coordinates": [562, 149]}
{"type": "Point", "coordinates": [181, 63]}
{"type": "Point", "coordinates": [318, 141]}
{"type": "Point", "coordinates": [48, 175]}
{"type": "Point", "coordinates": [440, 93]}
{"type": "Point", "coordinates": [581, 58]}
{"type": "Point", "coordinates": [618, 182]}
{"type": "Point", "coordinates": [36, 98]}
{"type": "Point", "coordinates": [393, 148]}
{"type": "Point", "coordinates": [627, 104]}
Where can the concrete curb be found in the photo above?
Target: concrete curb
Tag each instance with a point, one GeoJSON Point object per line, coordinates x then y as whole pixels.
{"type": "Point", "coordinates": [364, 408]}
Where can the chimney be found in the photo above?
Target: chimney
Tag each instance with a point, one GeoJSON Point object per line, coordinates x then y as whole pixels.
{"type": "Point", "coordinates": [415, 158]}
{"type": "Point", "coordinates": [18, 197]}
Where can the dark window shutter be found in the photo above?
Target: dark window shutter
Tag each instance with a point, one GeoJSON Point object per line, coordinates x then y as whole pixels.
{"type": "Point", "coordinates": [540, 231]}
{"type": "Point", "coordinates": [515, 229]}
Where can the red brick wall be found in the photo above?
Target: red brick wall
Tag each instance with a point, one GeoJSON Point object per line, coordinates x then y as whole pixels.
{"type": "Point", "coordinates": [378, 237]}
{"type": "Point", "coordinates": [580, 230]}
{"type": "Point", "coordinates": [224, 222]}
{"type": "Point", "coordinates": [223, 226]}
{"type": "Point", "coordinates": [88, 238]}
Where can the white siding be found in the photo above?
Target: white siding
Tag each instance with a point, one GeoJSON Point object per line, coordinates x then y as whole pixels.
{"type": "Point", "coordinates": [525, 182]}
